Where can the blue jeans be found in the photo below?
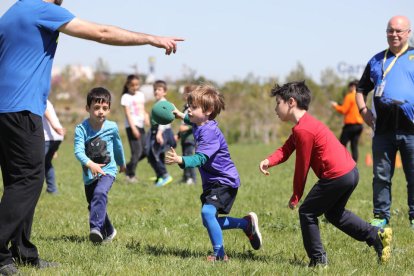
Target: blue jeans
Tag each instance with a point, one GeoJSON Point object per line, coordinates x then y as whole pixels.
{"type": "Point", "coordinates": [51, 148]}
{"type": "Point", "coordinates": [384, 150]}
{"type": "Point", "coordinates": [97, 197]}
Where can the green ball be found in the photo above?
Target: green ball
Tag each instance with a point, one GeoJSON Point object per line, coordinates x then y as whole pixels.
{"type": "Point", "coordinates": [162, 113]}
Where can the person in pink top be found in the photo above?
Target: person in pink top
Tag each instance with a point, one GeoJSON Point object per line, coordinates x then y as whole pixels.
{"type": "Point", "coordinates": [318, 148]}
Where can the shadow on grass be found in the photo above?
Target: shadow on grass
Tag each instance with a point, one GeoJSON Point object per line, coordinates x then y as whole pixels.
{"type": "Point", "coordinates": [70, 238]}
{"type": "Point", "coordinates": [162, 250]}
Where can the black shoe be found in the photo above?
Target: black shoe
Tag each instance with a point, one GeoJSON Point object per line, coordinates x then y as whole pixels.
{"type": "Point", "coordinates": [321, 261]}
{"type": "Point", "coordinates": [8, 269]}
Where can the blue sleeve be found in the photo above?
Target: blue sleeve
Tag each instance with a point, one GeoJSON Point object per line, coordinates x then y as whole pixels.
{"type": "Point", "coordinates": [118, 148]}
{"type": "Point", "coordinates": [79, 145]}
{"type": "Point", "coordinates": [193, 161]}
{"type": "Point", "coordinates": [52, 17]}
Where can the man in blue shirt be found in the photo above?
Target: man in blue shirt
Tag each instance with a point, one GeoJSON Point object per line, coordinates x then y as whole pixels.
{"type": "Point", "coordinates": [29, 33]}
{"type": "Point", "coordinates": [390, 74]}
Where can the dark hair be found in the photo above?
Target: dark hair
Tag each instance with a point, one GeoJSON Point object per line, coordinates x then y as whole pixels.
{"type": "Point", "coordinates": [98, 95]}
{"type": "Point", "coordinates": [208, 98]}
{"type": "Point", "coordinates": [353, 83]}
{"type": "Point", "coordinates": [160, 83]}
{"type": "Point", "coordinates": [296, 90]}
{"type": "Point", "coordinates": [128, 81]}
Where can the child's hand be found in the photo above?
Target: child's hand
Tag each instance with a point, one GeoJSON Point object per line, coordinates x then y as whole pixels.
{"type": "Point", "coordinates": [159, 138]}
{"type": "Point", "coordinates": [264, 166]}
{"type": "Point", "coordinates": [178, 114]}
{"type": "Point", "coordinates": [122, 169]}
{"type": "Point", "coordinates": [135, 132]}
{"type": "Point", "coordinates": [172, 157]}
{"type": "Point", "coordinates": [293, 202]}
{"type": "Point", "coordinates": [95, 168]}
{"type": "Point", "coordinates": [291, 205]}
{"type": "Point", "coordinates": [333, 103]}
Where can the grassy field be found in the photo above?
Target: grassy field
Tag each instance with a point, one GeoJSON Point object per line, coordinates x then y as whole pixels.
{"type": "Point", "coordinates": [160, 230]}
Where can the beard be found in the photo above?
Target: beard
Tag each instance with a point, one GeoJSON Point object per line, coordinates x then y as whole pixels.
{"type": "Point", "coordinates": [58, 2]}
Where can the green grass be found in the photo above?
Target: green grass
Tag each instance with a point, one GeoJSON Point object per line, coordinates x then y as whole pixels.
{"type": "Point", "coordinates": [160, 230]}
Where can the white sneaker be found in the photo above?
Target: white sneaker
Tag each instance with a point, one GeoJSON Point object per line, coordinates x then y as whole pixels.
{"type": "Point", "coordinates": [110, 237]}
{"type": "Point", "coordinates": [189, 181]}
{"type": "Point", "coordinates": [95, 236]}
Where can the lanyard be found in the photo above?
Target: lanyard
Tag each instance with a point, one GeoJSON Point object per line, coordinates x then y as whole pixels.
{"type": "Point", "coordinates": [392, 62]}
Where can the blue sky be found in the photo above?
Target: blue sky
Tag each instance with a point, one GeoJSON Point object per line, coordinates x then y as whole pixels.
{"type": "Point", "coordinates": [227, 40]}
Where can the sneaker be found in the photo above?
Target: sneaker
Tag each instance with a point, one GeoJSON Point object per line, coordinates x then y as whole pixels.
{"type": "Point", "coordinates": [131, 179]}
{"type": "Point", "coordinates": [8, 269]}
{"type": "Point", "coordinates": [110, 237]}
{"type": "Point", "coordinates": [379, 221]}
{"type": "Point", "coordinates": [189, 181]}
{"type": "Point", "coordinates": [214, 258]}
{"type": "Point", "coordinates": [163, 181]}
{"type": "Point", "coordinates": [252, 231]}
{"type": "Point", "coordinates": [412, 223]}
{"type": "Point", "coordinates": [382, 245]}
{"type": "Point", "coordinates": [40, 263]}
{"type": "Point", "coordinates": [95, 236]}
{"type": "Point", "coordinates": [320, 261]}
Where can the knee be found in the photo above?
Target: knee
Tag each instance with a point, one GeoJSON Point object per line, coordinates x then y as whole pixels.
{"type": "Point", "coordinates": [208, 213]}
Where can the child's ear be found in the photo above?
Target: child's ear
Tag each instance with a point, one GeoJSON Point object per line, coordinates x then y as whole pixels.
{"type": "Point", "coordinates": [291, 102]}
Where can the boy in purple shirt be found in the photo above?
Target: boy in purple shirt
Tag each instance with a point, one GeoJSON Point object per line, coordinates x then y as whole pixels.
{"type": "Point", "coordinates": [218, 173]}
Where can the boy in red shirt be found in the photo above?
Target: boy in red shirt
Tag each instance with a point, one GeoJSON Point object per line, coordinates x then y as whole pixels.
{"type": "Point", "coordinates": [318, 148]}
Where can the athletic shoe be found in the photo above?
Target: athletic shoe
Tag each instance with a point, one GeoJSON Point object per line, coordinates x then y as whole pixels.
{"type": "Point", "coordinates": [214, 258]}
{"type": "Point", "coordinates": [8, 269]}
{"type": "Point", "coordinates": [379, 221]}
{"type": "Point", "coordinates": [163, 181]}
{"type": "Point", "coordinates": [320, 261]}
{"type": "Point", "coordinates": [412, 223]}
{"type": "Point", "coordinates": [252, 230]}
{"type": "Point", "coordinates": [131, 179]}
{"type": "Point", "coordinates": [111, 237]}
{"type": "Point", "coordinates": [190, 181]}
{"type": "Point", "coordinates": [95, 236]}
{"type": "Point", "coordinates": [382, 244]}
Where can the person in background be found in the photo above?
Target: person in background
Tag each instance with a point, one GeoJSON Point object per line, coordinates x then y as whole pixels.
{"type": "Point", "coordinates": [390, 73]}
{"type": "Point", "coordinates": [185, 135]}
{"type": "Point", "coordinates": [25, 66]}
{"type": "Point", "coordinates": [351, 132]}
{"type": "Point", "coordinates": [54, 133]}
{"type": "Point", "coordinates": [160, 139]}
{"type": "Point", "coordinates": [136, 118]}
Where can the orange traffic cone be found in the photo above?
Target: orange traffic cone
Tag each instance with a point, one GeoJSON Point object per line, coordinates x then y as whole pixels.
{"type": "Point", "coordinates": [398, 163]}
{"type": "Point", "coordinates": [368, 160]}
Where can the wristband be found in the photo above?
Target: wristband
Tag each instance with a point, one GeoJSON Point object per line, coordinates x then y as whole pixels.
{"type": "Point", "coordinates": [362, 109]}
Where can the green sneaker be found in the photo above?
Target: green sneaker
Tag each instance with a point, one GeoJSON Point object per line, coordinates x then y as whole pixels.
{"type": "Point", "coordinates": [382, 244]}
{"type": "Point", "coordinates": [379, 221]}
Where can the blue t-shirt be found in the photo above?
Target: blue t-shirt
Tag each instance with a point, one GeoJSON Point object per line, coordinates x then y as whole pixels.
{"type": "Point", "coordinates": [28, 40]}
{"type": "Point", "coordinates": [108, 133]}
{"type": "Point", "coordinates": [219, 167]}
{"type": "Point", "coordinates": [395, 108]}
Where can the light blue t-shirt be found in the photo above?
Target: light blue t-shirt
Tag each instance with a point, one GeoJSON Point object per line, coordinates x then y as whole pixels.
{"type": "Point", "coordinates": [108, 133]}
{"type": "Point", "coordinates": [28, 40]}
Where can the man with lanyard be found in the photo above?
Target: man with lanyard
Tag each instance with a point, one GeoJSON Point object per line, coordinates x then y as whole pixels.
{"type": "Point", "coordinates": [29, 33]}
{"type": "Point", "coordinates": [390, 74]}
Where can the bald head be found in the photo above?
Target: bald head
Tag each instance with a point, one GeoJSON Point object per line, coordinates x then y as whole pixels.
{"type": "Point", "coordinates": [398, 32]}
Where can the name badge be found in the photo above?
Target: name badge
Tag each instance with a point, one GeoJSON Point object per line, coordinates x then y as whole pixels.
{"type": "Point", "coordinates": [379, 89]}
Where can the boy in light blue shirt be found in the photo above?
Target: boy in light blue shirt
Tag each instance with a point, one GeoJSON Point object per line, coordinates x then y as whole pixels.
{"type": "Point", "coordinates": [98, 147]}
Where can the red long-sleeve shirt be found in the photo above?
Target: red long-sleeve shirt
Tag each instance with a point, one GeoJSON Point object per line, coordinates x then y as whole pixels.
{"type": "Point", "coordinates": [317, 148]}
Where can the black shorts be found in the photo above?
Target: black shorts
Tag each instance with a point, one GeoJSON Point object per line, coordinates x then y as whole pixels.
{"type": "Point", "coordinates": [220, 196]}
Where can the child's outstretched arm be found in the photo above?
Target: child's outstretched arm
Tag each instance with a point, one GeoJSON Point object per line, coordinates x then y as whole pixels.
{"type": "Point", "coordinates": [193, 161]}
{"type": "Point", "coordinates": [178, 114]}
{"type": "Point", "coordinates": [264, 166]}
